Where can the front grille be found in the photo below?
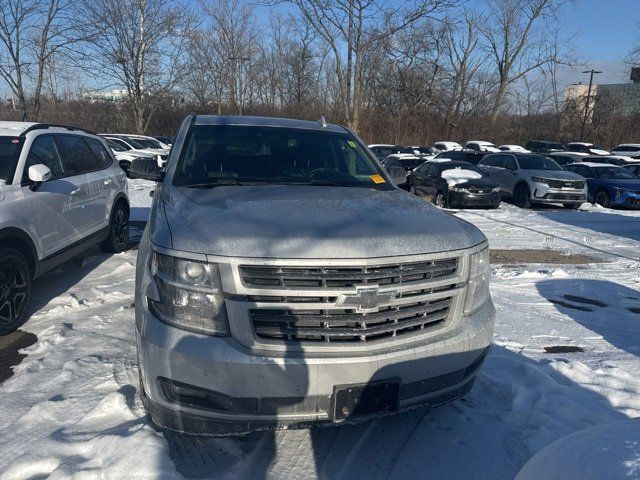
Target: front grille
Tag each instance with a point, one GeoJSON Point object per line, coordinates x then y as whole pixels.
{"type": "Point", "coordinates": [331, 326]}
{"type": "Point", "coordinates": [346, 277]}
{"type": "Point", "coordinates": [579, 184]}
{"type": "Point", "coordinates": [479, 190]}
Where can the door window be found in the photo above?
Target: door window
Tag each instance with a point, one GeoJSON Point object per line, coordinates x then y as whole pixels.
{"type": "Point", "coordinates": [103, 159]}
{"type": "Point", "coordinates": [43, 150]}
{"type": "Point", "coordinates": [510, 163]}
{"type": "Point", "coordinates": [77, 157]}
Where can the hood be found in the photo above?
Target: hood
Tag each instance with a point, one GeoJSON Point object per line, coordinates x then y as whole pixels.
{"type": "Point", "coordinates": [276, 221]}
{"type": "Point", "coordinates": [597, 151]}
{"type": "Point", "coordinates": [554, 174]}
{"type": "Point", "coordinates": [454, 176]}
{"type": "Point", "coordinates": [626, 184]}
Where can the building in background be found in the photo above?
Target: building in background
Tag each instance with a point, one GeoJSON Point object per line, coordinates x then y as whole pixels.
{"type": "Point", "coordinates": [115, 95]}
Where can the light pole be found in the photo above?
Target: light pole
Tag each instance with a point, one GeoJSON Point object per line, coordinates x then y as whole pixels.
{"type": "Point", "coordinates": [586, 107]}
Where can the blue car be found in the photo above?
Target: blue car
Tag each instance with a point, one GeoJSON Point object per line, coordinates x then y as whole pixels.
{"type": "Point", "coordinates": [609, 185]}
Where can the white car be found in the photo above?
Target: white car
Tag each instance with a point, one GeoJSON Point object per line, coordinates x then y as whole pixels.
{"type": "Point", "coordinates": [61, 191]}
{"type": "Point", "coordinates": [146, 141]}
{"type": "Point", "coordinates": [588, 148]}
{"type": "Point", "coordinates": [124, 156]}
{"type": "Point", "coordinates": [447, 146]}
{"type": "Point", "coordinates": [513, 148]}
{"type": "Point", "coordinates": [134, 148]}
{"type": "Point", "coordinates": [627, 149]}
{"type": "Point", "coordinates": [481, 146]}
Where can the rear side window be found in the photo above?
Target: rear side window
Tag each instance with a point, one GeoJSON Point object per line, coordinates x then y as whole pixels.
{"type": "Point", "coordinates": [77, 157]}
{"type": "Point", "coordinates": [10, 148]}
{"type": "Point", "coordinates": [493, 161]}
{"type": "Point", "coordinates": [103, 158]}
{"type": "Point", "coordinates": [43, 150]}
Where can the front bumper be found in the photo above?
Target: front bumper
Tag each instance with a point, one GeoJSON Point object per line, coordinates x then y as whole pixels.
{"type": "Point", "coordinates": [468, 199]}
{"type": "Point", "coordinates": [201, 384]}
{"type": "Point", "coordinates": [627, 199]}
{"type": "Point", "coordinates": [542, 193]}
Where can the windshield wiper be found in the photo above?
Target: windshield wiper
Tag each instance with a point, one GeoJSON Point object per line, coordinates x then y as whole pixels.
{"type": "Point", "coordinates": [222, 183]}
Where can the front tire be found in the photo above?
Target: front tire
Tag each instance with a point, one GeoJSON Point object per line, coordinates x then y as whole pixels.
{"type": "Point", "coordinates": [15, 288]}
{"type": "Point", "coordinates": [440, 200]}
{"type": "Point", "coordinates": [118, 238]}
{"type": "Point", "coordinates": [603, 199]}
{"type": "Point", "coordinates": [522, 197]}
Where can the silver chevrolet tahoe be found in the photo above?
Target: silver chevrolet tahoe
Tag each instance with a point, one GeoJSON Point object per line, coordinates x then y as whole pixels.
{"type": "Point", "coordinates": [283, 280]}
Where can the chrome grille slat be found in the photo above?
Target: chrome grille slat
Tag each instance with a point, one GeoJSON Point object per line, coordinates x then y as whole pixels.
{"type": "Point", "coordinates": [348, 327]}
{"type": "Point", "coordinates": [336, 277]}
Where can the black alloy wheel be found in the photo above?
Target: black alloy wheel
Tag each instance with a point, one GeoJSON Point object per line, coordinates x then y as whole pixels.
{"type": "Point", "coordinates": [15, 287]}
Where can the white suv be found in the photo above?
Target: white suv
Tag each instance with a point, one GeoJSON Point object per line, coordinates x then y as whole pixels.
{"type": "Point", "coordinates": [61, 191]}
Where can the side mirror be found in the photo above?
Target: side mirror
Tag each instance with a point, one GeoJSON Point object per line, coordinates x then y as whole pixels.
{"type": "Point", "coordinates": [146, 168]}
{"type": "Point", "coordinates": [398, 174]}
{"type": "Point", "coordinates": [37, 174]}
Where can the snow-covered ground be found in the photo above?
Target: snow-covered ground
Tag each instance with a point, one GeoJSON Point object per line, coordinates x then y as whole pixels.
{"type": "Point", "coordinates": [72, 409]}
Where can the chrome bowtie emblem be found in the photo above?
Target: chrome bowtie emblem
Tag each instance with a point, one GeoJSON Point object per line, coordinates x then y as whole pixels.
{"type": "Point", "coordinates": [366, 299]}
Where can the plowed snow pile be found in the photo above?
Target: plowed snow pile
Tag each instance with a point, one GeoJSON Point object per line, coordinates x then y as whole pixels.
{"type": "Point", "coordinates": [72, 410]}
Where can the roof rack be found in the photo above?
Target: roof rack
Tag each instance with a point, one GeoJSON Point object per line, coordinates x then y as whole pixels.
{"type": "Point", "coordinates": [43, 126]}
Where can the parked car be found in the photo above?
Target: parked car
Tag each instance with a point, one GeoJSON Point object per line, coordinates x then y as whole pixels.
{"type": "Point", "coordinates": [633, 168]}
{"type": "Point", "coordinates": [619, 160]}
{"type": "Point", "coordinates": [544, 146]}
{"type": "Point", "coordinates": [407, 161]}
{"type": "Point", "coordinates": [145, 142]}
{"type": "Point", "coordinates": [133, 147]}
{"type": "Point", "coordinates": [566, 158]}
{"type": "Point", "coordinates": [462, 155]}
{"type": "Point", "coordinates": [588, 148]}
{"type": "Point", "coordinates": [513, 148]}
{"type": "Point", "coordinates": [382, 151]}
{"type": "Point", "coordinates": [609, 185]}
{"type": "Point", "coordinates": [124, 156]}
{"type": "Point", "coordinates": [454, 185]}
{"type": "Point", "coordinates": [481, 146]}
{"type": "Point", "coordinates": [627, 149]}
{"type": "Point", "coordinates": [336, 298]}
{"type": "Point", "coordinates": [530, 178]}
{"type": "Point", "coordinates": [447, 146]}
{"type": "Point", "coordinates": [164, 139]}
{"type": "Point", "coordinates": [61, 192]}
{"type": "Point", "coordinates": [426, 153]}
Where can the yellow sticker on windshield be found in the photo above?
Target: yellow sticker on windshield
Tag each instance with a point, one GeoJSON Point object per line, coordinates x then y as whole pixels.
{"type": "Point", "coordinates": [376, 178]}
{"type": "Point", "coordinates": [351, 143]}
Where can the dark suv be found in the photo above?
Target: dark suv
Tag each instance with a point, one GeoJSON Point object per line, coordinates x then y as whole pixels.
{"type": "Point", "coordinates": [543, 146]}
{"type": "Point", "coordinates": [470, 156]}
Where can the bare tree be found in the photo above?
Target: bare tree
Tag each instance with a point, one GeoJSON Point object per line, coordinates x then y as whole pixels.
{"type": "Point", "coordinates": [32, 34]}
{"type": "Point", "coordinates": [516, 35]}
{"type": "Point", "coordinates": [352, 27]}
{"type": "Point", "coordinates": [139, 44]}
{"type": "Point", "coordinates": [233, 22]}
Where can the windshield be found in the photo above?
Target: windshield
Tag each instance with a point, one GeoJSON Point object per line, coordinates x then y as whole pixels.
{"type": "Point", "coordinates": [149, 143]}
{"type": "Point", "coordinates": [137, 143]}
{"type": "Point", "coordinates": [216, 155]}
{"type": "Point", "coordinates": [597, 147]}
{"type": "Point", "coordinates": [115, 146]}
{"type": "Point", "coordinates": [613, 173]}
{"type": "Point", "coordinates": [537, 162]}
{"type": "Point", "coordinates": [10, 148]}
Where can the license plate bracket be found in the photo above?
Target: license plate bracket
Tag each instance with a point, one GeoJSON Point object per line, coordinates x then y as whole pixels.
{"type": "Point", "coordinates": [353, 401]}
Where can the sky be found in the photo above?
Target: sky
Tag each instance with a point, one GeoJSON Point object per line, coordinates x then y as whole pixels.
{"type": "Point", "coordinates": [607, 30]}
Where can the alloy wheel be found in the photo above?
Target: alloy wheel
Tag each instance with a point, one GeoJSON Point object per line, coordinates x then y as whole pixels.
{"type": "Point", "coordinates": [14, 288]}
{"type": "Point", "coordinates": [121, 229]}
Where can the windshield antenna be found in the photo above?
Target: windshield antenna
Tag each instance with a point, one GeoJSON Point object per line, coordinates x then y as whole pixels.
{"type": "Point", "coordinates": [322, 122]}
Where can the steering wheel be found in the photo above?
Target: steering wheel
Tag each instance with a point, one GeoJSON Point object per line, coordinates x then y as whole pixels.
{"type": "Point", "coordinates": [317, 171]}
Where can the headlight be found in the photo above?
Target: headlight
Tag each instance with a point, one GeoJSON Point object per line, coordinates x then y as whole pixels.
{"type": "Point", "coordinates": [495, 190]}
{"type": "Point", "coordinates": [478, 287]}
{"type": "Point", "coordinates": [541, 180]}
{"type": "Point", "coordinates": [190, 293]}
